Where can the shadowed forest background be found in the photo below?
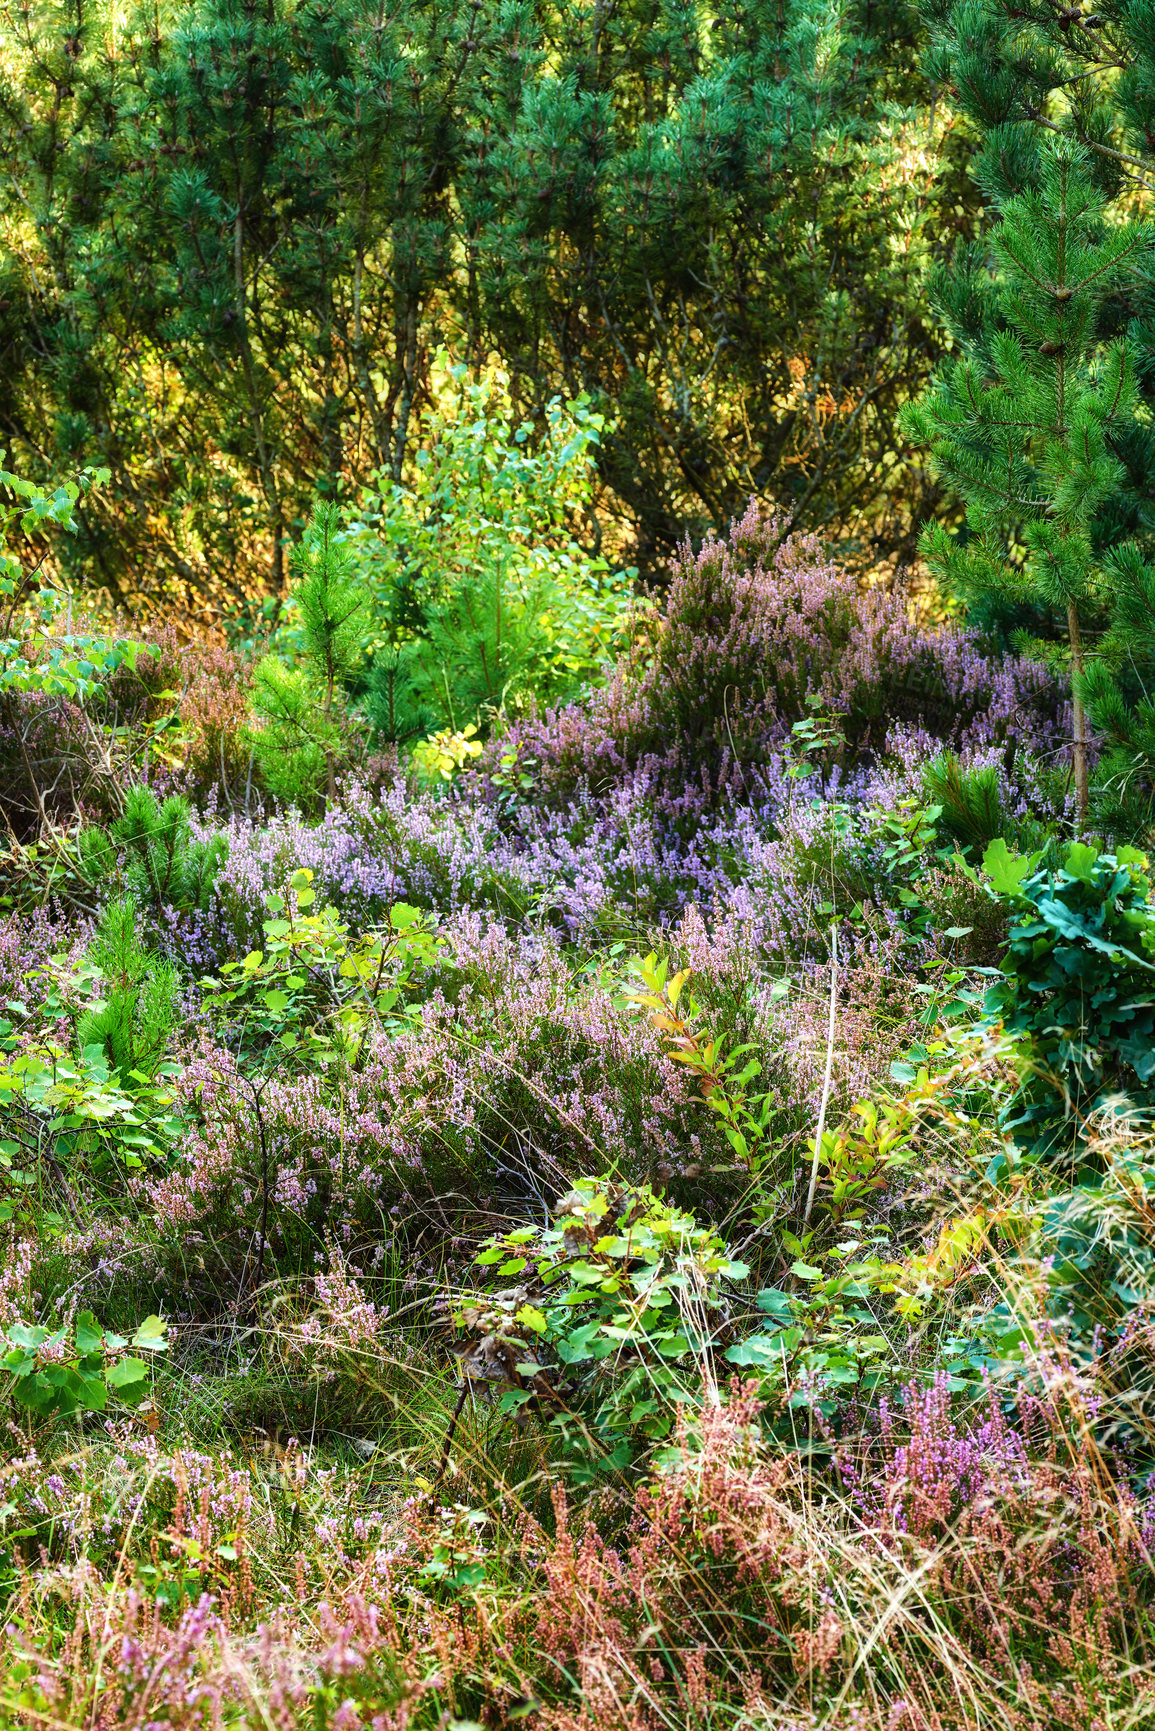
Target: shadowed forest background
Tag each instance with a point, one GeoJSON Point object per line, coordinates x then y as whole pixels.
{"type": "Point", "coordinates": [235, 236]}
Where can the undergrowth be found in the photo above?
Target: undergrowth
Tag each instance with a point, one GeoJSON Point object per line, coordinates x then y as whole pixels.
{"type": "Point", "coordinates": [631, 1216]}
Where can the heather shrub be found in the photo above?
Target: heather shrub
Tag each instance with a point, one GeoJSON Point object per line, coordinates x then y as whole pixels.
{"type": "Point", "coordinates": [28, 939]}
{"type": "Point", "coordinates": [750, 630]}
{"type": "Point", "coordinates": [469, 1138]}
{"type": "Point", "coordinates": [381, 845]}
{"type": "Point", "coordinates": [832, 862]}
{"type": "Point", "coordinates": [743, 999]}
{"type": "Point", "coordinates": [975, 921]}
{"type": "Point", "coordinates": [598, 869]}
{"type": "Point", "coordinates": [218, 763]}
{"type": "Point", "coordinates": [734, 1583]}
{"type": "Point", "coordinates": [515, 1073]}
{"type": "Point", "coordinates": [718, 1548]}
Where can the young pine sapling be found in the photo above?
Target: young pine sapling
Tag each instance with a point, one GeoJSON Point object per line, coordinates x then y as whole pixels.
{"type": "Point", "coordinates": [300, 708]}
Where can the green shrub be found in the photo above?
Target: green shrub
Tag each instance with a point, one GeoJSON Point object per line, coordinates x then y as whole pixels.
{"type": "Point", "coordinates": [1077, 987]}
{"type": "Point", "coordinates": [303, 731]}
{"type": "Point", "coordinates": [77, 1368]}
{"type": "Point", "coordinates": [132, 1027]}
{"type": "Point", "coordinates": [151, 850]}
{"type": "Point", "coordinates": [483, 600]}
{"type": "Point", "coordinates": [610, 1322]}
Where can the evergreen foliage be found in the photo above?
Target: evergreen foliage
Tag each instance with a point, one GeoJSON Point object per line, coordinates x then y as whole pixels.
{"type": "Point", "coordinates": [1020, 423]}
{"type": "Point", "coordinates": [969, 801]}
{"type": "Point", "coordinates": [300, 707]}
{"type": "Point", "coordinates": [1023, 74]}
{"type": "Point", "coordinates": [232, 237]}
{"type": "Point", "coordinates": [151, 850]}
{"type": "Point", "coordinates": [1117, 691]}
{"type": "Point", "coordinates": [133, 1027]}
{"type": "Point", "coordinates": [1035, 81]}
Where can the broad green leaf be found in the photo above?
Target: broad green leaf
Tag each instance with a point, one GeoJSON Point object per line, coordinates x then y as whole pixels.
{"type": "Point", "coordinates": [126, 1373]}
{"type": "Point", "coordinates": [89, 1334]}
{"type": "Point", "coordinates": [1080, 861]}
{"type": "Point", "coordinates": [1005, 870]}
{"type": "Point", "coordinates": [23, 1334]}
{"type": "Point", "coordinates": [151, 1335]}
{"type": "Point", "coordinates": [93, 1393]}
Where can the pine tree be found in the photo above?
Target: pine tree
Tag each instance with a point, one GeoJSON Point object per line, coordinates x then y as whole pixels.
{"type": "Point", "coordinates": [233, 233]}
{"type": "Point", "coordinates": [301, 706]}
{"type": "Point", "coordinates": [1118, 690]}
{"type": "Point", "coordinates": [132, 1027]}
{"type": "Point", "coordinates": [224, 227]}
{"type": "Point", "coordinates": [716, 220]}
{"type": "Point", "coordinates": [1021, 73]}
{"type": "Point", "coordinates": [1020, 424]}
{"type": "Point", "coordinates": [151, 849]}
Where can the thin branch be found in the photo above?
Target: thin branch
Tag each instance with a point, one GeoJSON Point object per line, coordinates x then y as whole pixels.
{"type": "Point", "coordinates": [827, 1078]}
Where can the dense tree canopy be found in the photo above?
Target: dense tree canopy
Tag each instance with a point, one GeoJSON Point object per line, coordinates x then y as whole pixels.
{"type": "Point", "coordinates": [232, 235]}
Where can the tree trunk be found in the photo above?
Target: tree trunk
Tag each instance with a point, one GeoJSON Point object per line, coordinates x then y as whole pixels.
{"type": "Point", "coordinates": [264, 460]}
{"type": "Point", "coordinates": [1079, 743]}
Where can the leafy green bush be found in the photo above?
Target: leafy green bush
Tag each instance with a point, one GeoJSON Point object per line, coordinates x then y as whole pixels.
{"type": "Point", "coordinates": [32, 511]}
{"type": "Point", "coordinates": [64, 1114]}
{"type": "Point", "coordinates": [611, 1320]}
{"type": "Point", "coordinates": [483, 599]}
{"type": "Point", "coordinates": [77, 1368]}
{"type": "Point", "coordinates": [1077, 987]}
{"type": "Point", "coordinates": [822, 1338]}
{"type": "Point", "coordinates": [316, 985]}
